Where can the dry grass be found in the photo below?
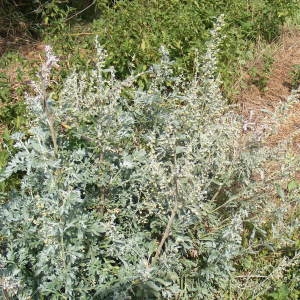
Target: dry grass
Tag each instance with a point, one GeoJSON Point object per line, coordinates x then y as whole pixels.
{"type": "Point", "coordinates": [257, 107]}
{"type": "Point", "coordinates": [254, 102]}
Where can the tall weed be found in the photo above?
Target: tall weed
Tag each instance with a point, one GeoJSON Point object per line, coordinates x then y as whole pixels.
{"type": "Point", "coordinates": [131, 193]}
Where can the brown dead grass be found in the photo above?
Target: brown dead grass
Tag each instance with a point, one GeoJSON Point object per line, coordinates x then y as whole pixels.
{"type": "Point", "coordinates": [254, 102]}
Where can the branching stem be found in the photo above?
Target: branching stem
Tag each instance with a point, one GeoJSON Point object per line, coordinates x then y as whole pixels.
{"type": "Point", "coordinates": [166, 233]}
{"type": "Point", "coordinates": [50, 121]}
{"type": "Point", "coordinates": [173, 214]}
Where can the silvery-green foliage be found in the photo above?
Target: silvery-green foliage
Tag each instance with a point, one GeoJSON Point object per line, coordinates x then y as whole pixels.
{"type": "Point", "coordinates": [124, 165]}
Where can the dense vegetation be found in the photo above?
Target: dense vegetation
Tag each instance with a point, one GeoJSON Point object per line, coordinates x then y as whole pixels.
{"type": "Point", "coordinates": [128, 181]}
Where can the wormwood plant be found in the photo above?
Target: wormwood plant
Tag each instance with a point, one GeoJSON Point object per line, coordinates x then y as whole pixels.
{"type": "Point", "coordinates": [127, 193]}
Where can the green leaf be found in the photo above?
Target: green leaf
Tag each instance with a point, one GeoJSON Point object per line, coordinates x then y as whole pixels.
{"type": "Point", "coordinates": [292, 185]}
{"type": "Point", "coordinates": [153, 286]}
{"type": "Point", "coordinates": [180, 149]}
{"type": "Point", "coordinates": [280, 192]}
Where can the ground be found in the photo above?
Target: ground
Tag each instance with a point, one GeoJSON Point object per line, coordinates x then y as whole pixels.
{"type": "Point", "coordinates": [256, 105]}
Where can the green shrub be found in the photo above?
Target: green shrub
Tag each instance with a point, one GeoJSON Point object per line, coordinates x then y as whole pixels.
{"type": "Point", "coordinates": [132, 31]}
{"type": "Point", "coordinates": [295, 76]}
{"type": "Point", "coordinates": [27, 18]}
{"type": "Point", "coordinates": [259, 75]}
